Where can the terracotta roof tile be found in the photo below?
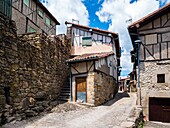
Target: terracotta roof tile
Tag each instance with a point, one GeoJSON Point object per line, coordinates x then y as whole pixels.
{"type": "Point", "coordinates": [149, 16]}
{"type": "Point", "coordinates": [92, 56]}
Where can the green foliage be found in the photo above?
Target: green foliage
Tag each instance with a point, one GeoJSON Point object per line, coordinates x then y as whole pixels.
{"type": "Point", "coordinates": [140, 125]}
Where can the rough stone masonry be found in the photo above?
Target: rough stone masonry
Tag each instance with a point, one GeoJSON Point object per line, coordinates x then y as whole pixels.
{"type": "Point", "coordinates": [32, 71]}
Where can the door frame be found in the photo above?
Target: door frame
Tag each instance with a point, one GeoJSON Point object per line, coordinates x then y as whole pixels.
{"type": "Point", "coordinates": [76, 86]}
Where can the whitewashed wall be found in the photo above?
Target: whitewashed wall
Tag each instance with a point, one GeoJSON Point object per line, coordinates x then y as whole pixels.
{"type": "Point", "coordinates": [101, 42]}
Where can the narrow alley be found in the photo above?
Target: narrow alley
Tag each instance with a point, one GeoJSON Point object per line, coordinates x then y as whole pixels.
{"type": "Point", "coordinates": [117, 113]}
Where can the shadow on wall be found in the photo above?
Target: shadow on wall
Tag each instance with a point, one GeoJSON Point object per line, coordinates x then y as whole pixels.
{"type": "Point", "coordinates": [117, 97]}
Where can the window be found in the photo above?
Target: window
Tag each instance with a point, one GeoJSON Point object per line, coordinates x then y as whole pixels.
{"type": "Point", "coordinates": [47, 21]}
{"type": "Point", "coordinates": [160, 78]}
{"type": "Point", "coordinates": [32, 30]}
{"type": "Point", "coordinates": [86, 41]}
{"type": "Point", "coordinates": [40, 13]}
{"type": "Point", "coordinates": [27, 2]}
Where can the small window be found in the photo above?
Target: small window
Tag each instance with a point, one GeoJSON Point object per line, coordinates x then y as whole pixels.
{"type": "Point", "coordinates": [32, 30]}
{"type": "Point", "coordinates": [86, 41]}
{"type": "Point", "coordinates": [160, 78]}
{"type": "Point", "coordinates": [40, 13]}
{"type": "Point", "coordinates": [27, 2]}
{"type": "Point", "coordinates": [47, 21]}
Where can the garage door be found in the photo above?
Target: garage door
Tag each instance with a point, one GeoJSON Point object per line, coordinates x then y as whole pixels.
{"type": "Point", "coordinates": [159, 109]}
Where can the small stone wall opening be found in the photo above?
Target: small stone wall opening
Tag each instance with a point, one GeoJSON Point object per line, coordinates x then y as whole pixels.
{"type": "Point", "coordinates": [160, 78]}
{"type": "Point", "coordinates": [7, 94]}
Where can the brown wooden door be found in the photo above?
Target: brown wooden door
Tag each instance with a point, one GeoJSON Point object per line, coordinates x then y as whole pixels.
{"type": "Point", "coordinates": [81, 89]}
{"type": "Point", "coordinates": [159, 109]}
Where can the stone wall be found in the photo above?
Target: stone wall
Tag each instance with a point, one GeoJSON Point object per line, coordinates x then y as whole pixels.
{"type": "Point", "coordinates": [32, 71]}
{"type": "Point", "coordinates": [105, 88]}
{"type": "Point", "coordinates": [148, 82]}
{"type": "Point", "coordinates": [100, 88]}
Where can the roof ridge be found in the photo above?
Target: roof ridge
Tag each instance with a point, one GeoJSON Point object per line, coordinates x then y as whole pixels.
{"type": "Point", "coordinates": [96, 29]}
{"type": "Point", "coordinates": [92, 56]}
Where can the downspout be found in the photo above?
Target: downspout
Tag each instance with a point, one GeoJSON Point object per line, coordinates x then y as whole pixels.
{"type": "Point", "coordinates": [138, 51]}
{"type": "Point", "coordinates": [117, 79]}
{"type": "Point", "coordinates": [71, 99]}
{"type": "Point", "coordinates": [139, 74]}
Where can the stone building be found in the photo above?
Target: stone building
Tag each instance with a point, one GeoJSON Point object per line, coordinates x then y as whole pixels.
{"type": "Point", "coordinates": [30, 16]}
{"type": "Point", "coordinates": [94, 64]}
{"type": "Point", "coordinates": [153, 62]}
{"type": "Point", "coordinates": [124, 84]}
{"type": "Point", "coordinates": [133, 83]}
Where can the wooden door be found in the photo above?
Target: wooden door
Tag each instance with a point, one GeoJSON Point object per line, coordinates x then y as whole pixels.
{"type": "Point", "coordinates": [81, 89]}
{"type": "Point", "coordinates": [159, 109]}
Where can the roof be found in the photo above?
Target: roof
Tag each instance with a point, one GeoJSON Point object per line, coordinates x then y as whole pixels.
{"type": "Point", "coordinates": [87, 57]}
{"type": "Point", "coordinates": [94, 29]}
{"type": "Point", "coordinates": [48, 13]}
{"type": "Point", "coordinates": [115, 35]}
{"type": "Point", "coordinates": [150, 16]}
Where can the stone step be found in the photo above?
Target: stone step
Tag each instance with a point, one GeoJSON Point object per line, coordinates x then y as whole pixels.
{"type": "Point", "coordinates": [65, 90]}
{"type": "Point", "coordinates": [66, 87]}
{"type": "Point", "coordinates": [64, 98]}
{"type": "Point", "coordinates": [65, 93]}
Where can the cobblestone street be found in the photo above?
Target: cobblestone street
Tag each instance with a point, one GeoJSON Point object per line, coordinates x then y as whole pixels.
{"type": "Point", "coordinates": [156, 125]}
{"type": "Point", "coordinates": [117, 113]}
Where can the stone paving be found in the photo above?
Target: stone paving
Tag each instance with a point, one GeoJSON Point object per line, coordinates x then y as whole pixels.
{"type": "Point", "coordinates": [156, 125]}
{"type": "Point", "coordinates": [117, 113]}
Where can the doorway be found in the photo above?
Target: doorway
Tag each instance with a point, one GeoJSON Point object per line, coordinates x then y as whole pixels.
{"type": "Point", "coordinates": [81, 89]}
{"type": "Point", "coordinates": [159, 109]}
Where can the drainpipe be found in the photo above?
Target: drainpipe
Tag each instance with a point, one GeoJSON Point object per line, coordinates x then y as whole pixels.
{"type": "Point", "coordinates": [117, 80]}
{"type": "Point", "coordinates": [139, 74]}
{"type": "Point", "coordinates": [71, 99]}
{"type": "Point", "coordinates": [138, 42]}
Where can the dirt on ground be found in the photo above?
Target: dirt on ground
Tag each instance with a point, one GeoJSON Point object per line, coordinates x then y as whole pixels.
{"type": "Point", "coordinates": [117, 113]}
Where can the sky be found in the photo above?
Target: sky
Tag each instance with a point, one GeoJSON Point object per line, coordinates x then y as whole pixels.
{"type": "Point", "coordinates": [111, 15]}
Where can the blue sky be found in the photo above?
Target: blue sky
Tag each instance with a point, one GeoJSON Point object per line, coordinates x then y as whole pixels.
{"type": "Point", "coordinates": [109, 15]}
{"type": "Point", "coordinates": [92, 7]}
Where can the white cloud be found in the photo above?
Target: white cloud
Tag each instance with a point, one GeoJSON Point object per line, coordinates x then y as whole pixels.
{"type": "Point", "coordinates": [66, 10]}
{"type": "Point", "coordinates": [119, 12]}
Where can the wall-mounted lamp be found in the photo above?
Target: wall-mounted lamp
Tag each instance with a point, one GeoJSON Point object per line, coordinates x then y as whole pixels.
{"type": "Point", "coordinates": [90, 30]}
{"type": "Point", "coordinates": [110, 35]}
{"type": "Point", "coordinates": [137, 44]}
